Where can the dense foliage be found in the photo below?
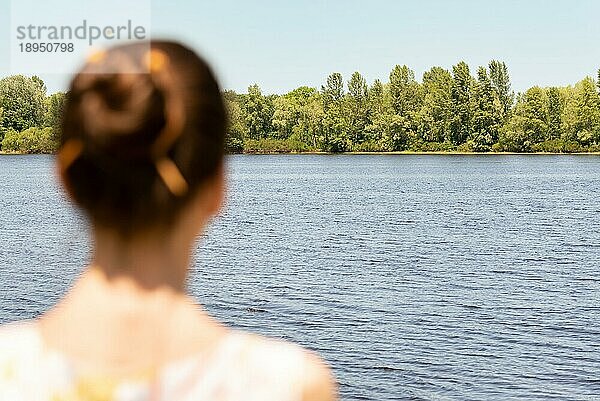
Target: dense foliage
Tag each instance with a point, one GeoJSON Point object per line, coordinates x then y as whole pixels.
{"type": "Point", "coordinates": [31, 140]}
{"type": "Point", "coordinates": [446, 111]}
{"type": "Point", "coordinates": [29, 120]}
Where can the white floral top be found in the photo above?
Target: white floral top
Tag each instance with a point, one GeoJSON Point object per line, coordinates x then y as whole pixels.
{"type": "Point", "coordinates": [268, 370]}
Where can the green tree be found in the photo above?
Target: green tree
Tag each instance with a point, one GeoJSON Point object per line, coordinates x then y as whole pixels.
{"type": "Point", "coordinates": [285, 116]}
{"type": "Point", "coordinates": [379, 111]}
{"type": "Point", "coordinates": [555, 111]}
{"type": "Point", "coordinates": [406, 98]}
{"type": "Point", "coordinates": [487, 113]}
{"type": "Point", "coordinates": [31, 140]}
{"type": "Point", "coordinates": [460, 126]}
{"type": "Point", "coordinates": [500, 80]}
{"type": "Point", "coordinates": [358, 108]}
{"type": "Point", "coordinates": [40, 84]}
{"type": "Point", "coordinates": [404, 90]}
{"type": "Point", "coordinates": [259, 113]}
{"type": "Point", "coordinates": [236, 127]}
{"type": "Point", "coordinates": [582, 114]}
{"type": "Point", "coordinates": [335, 135]}
{"type": "Point", "coordinates": [436, 113]}
{"type": "Point", "coordinates": [298, 114]}
{"type": "Point", "coordinates": [310, 116]}
{"type": "Point", "coordinates": [377, 98]}
{"type": "Point", "coordinates": [22, 100]}
{"type": "Point", "coordinates": [528, 124]}
{"type": "Point", "coordinates": [1, 126]}
{"type": "Point", "coordinates": [54, 106]}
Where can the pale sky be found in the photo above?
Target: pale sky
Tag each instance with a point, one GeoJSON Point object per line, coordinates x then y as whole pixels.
{"type": "Point", "coordinates": [285, 44]}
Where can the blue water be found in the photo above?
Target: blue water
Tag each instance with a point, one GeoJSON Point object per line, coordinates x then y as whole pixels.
{"type": "Point", "coordinates": [416, 277]}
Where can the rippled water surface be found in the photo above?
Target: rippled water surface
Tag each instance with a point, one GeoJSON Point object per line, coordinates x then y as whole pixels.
{"type": "Point", "coordinates": [416, 277]}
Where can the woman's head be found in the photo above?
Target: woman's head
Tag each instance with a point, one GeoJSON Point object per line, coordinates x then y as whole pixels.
{"type": "Point", "coordinates": [143, 134]}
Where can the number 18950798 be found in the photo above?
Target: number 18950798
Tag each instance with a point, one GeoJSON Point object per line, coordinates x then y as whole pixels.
{"type": "Point", "coordinates": [48, 47]}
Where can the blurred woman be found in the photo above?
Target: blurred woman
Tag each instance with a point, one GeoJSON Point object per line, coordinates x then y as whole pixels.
{"type": "Point", "coordinates": [142, 156]}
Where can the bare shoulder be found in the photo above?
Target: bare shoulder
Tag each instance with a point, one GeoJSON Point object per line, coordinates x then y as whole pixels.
{"type": "Point", "coordinates": [305, 370]}
{"type": "Point", "coordinates": [319, 381]}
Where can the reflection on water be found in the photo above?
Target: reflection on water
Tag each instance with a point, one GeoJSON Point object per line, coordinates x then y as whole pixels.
{"type": "Point", "coordinates": [417, 277]}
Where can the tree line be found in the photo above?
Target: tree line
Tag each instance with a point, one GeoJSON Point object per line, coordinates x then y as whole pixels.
{"type": "Point", "coordinates": [447, 110]}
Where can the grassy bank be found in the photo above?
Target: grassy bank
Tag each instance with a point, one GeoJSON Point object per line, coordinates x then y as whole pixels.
{"type": "Point", "coordinates": [268, 146]}
{"type": "Point", "coordinates": [406, 152]}
{"type": "Point", "coordinates": [283, 146]}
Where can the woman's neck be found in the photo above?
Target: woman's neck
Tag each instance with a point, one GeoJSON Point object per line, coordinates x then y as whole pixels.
{"type": "Point", "coordinates": [130, 305]}
{"type": "Point", "coordinates": [144, 263]}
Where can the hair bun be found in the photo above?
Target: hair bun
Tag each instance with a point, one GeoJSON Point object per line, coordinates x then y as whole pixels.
{"type": "Point", "coordinates": [124, 112]}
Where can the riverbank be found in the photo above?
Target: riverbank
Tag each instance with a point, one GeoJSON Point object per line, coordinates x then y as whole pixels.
{"type": "Point", "coordinates": [447, 153]}
{"type": "Point", "coordinates": [407, 152]}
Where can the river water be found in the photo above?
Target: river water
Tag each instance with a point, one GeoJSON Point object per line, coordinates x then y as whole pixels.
{"type": "Point", "coordinates": [416, 277]}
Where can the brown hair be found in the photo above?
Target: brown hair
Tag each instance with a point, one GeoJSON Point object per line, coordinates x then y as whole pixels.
{"type": "Point", "coordinates": [137, 146]}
